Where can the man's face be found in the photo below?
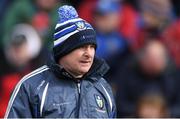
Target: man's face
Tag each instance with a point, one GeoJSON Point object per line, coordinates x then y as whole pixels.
{"type": "Point", "coordinates": [79, 61]}
{"type": "Point", "coordinates": [154, 60]}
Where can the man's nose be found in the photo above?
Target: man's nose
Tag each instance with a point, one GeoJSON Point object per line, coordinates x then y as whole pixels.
{"type": "Point", "coordinates": [88, 51]}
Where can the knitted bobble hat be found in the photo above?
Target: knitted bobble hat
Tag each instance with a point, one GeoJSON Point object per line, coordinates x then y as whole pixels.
{"type": "Point", "coordinates": [71, 32]}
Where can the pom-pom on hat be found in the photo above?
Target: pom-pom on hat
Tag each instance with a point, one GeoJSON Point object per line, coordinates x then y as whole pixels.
{"type": "Point", "coordinates": [71, 32]}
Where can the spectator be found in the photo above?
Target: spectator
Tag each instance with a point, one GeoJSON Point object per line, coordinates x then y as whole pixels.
{"type": "Point", "coordinates": [128, 21]}
{"type": "Point", "coordinates": [112, 45]}
{"type": "Point", "coordinates": [171, 38]}
{"type": "Point", "coordinates": [24, 46]}
{"type": "Point", "coordinates": [152, 105]}
{"type": "Point", "coordinates": [152, 70]}
{"type": "Point", "coordinates": [32, 12]}
{"type": "Point", "coordinates": [4, 5]}
{"type": "Point", "coordinates": [155, 16]}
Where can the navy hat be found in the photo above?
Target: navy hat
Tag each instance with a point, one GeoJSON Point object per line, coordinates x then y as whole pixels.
{"type": "Point", "coordinates": [71, 32]}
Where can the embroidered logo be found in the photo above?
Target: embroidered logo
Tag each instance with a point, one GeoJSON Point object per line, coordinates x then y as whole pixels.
{"type": "Point", "coordinates": [99, 101]}
{"type": "Point", "coordinates": [80, 25]}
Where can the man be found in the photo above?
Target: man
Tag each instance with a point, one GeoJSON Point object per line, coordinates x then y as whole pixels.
{"type": "Point", "coordinates": [70, 87]}
{"type": "Point", "coordinates": [151, 71]}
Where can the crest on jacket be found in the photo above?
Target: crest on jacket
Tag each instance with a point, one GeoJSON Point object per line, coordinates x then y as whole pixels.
{"type": "Point", "coordinates": [99, 101]}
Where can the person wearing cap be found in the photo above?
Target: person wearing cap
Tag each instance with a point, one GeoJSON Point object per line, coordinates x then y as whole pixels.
{"type": "Point", "coordinates": [71, 85]}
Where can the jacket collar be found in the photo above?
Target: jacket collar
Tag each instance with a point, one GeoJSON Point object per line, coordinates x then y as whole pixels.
{"type": "Point", "coordinates": [98, 69]}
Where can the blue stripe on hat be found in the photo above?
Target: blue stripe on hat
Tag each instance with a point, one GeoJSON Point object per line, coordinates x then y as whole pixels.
{"type": "Point", "coordinates": [66, 25]}
{"type": "Point", "coordinates": [64, 32]}
{"type": "Point", "coordinates": [63, 27]}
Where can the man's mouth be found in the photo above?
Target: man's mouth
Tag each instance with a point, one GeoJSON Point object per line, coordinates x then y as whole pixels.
{"type": "Point", "coordinates": [85, 61]}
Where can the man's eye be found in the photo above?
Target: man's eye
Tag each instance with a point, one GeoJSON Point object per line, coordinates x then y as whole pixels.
{"type": "Point", "coordinates": [92, 46]}
{"type": "Point", "coordinates": [87, 46]}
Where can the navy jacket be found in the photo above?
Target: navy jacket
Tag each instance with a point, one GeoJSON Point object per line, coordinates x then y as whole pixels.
{"type": "Point", "coordinates": [52, 92]}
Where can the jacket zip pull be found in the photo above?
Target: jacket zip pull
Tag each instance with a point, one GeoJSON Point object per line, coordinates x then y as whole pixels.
{"type": "Point", "coordinates": [79, 93]}
{"type": "Point", "coordinates": [79, 87]}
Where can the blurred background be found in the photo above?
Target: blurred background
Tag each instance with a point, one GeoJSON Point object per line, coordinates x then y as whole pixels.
{"type": "Point", "coordinates": [139, 39]}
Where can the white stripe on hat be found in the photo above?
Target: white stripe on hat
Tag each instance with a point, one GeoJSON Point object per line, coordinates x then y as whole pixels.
{"type": "Point", "coordinates": [61, 39]}
{"type": "Point", "coordinates": [66, 22]}
{"type": "Point", "coordinates": [65, 29]}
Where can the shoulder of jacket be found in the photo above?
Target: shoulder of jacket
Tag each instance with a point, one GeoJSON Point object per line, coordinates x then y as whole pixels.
{"type": "Point", "coordinates": [104, 82]}
{"type": "Point", "coordinates": [34, 77]}
{"type": "Point", "coordinates": [106, 85]}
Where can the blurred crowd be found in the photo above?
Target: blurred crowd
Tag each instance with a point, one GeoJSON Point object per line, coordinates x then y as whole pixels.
{"type": "Point", "coordinates": [139, 39]}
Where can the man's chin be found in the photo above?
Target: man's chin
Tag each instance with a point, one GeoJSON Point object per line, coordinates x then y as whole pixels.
{"type": "Point", "coordinates": [84, 71]}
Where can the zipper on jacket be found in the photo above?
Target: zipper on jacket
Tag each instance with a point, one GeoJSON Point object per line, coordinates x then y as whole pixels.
{"type": "Point", "coordinates": [78, 83]}
{"type": "Point", "coordinates": [79, 87]}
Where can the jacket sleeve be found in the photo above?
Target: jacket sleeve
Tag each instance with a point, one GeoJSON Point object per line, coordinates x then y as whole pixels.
{"type": "Point", "coordinates": [19, 104]}
{"type": "Point", "coordinates": [108, 91]}
{"type": "Point", "coordinates": [114, 110]}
